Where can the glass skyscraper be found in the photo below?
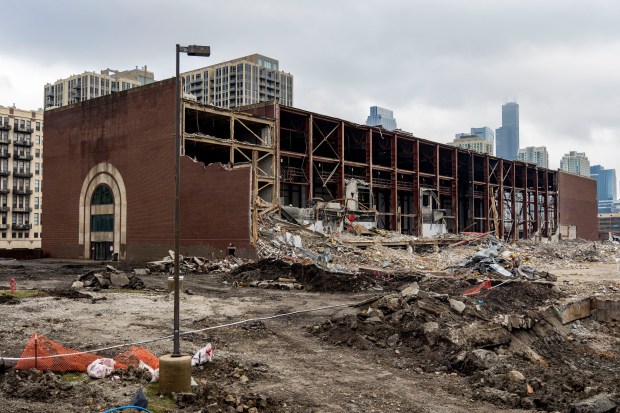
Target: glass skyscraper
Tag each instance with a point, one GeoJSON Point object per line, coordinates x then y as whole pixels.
{"type": "Point", "coordinates": [605, 182]}
{"type": "Point", "coordinates": [381, 117]}
{"type": "Point", "coordinates": [507, 136]}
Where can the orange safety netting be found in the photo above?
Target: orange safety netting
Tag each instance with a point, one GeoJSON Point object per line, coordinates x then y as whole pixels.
{"type": "Point", "coordinates": [476, 289]}
{"type": "Point", "coordinates": [42, 353]}
{"type": "Point", "coordinates": [134, 355]}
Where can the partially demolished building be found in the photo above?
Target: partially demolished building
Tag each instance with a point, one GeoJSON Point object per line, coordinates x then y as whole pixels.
{"type": "Point", "coordinates": [239, 165]}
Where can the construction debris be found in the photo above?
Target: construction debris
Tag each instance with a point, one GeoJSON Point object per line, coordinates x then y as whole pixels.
{"type": "Point", "coordinates": [194, 264]}
{"type": "Point", "coordinates": [112, 278]}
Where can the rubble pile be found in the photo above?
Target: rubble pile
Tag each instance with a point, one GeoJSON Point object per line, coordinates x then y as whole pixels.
{"type": "Point", "coordinates": [194, 264]}
{"type": "Point", "coordinates": [275, 273]}
{"type": "Point", "coordinates": [507, 340]}
{"type": "Point", "coordinates": [110, 278]}
{"type": "Point", "coordinates": [347, 252]}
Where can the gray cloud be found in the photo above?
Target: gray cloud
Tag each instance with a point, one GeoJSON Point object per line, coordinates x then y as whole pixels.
{"type": "Point", "coordinates": [442, 66]}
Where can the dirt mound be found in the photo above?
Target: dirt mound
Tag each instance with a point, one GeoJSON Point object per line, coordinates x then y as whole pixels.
{"type": "Point", "coordinates": [72, 389]}
{"type": "Point", "coordinates": [8, 299]}
{"type": "Point", "coordinates": [312, 277]}
{"type": "Point", "coordinates": [501, 338]}
{"type": "Point", "coordinates": [68, 293]}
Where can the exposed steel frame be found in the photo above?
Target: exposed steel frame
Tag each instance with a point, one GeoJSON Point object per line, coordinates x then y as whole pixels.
{"type": "Point", "coordinates": [480, 193]}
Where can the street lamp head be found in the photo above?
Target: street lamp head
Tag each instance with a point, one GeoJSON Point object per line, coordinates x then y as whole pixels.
{"type": "Point", "coordinates": [195, 50]}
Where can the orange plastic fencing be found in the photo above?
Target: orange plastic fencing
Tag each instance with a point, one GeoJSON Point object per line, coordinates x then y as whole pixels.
{"type": "Point", "coordinates": [134, 355]}
{"type": "Point", "coordinates": [42, 353]}
{"type": "Point", "coordinates": [486, 284]}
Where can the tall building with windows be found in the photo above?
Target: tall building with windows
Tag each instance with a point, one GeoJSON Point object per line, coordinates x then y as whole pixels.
{"type": "Point", "coordinates": [484, 132]}
{"type": "Point", "coordinates": [381, 117]}
{"type": "Point", "coordinates": [240, 82]}
{"type": "Point", "coordinates": [576, 163]}
{"type": "Point", "coordinates": [473, 143]}
{"type": "Point", "coordinates": [534, 154]}
{"type": "Point", "coordinates": [21, 177]}
{"type": "Point", "coordinates": [88, 85]}
{"type": "Point", "coordinates": [606, 188]}
{"type": "Point", "coordinates": [507, 136]}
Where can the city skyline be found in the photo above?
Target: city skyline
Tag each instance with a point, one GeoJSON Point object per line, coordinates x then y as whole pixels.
{"type": "Point", "coordinates": [434, 89]}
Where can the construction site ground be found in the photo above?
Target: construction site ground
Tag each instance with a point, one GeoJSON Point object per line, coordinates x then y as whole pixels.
{"type": "Point", "coordinates": [395, 354]}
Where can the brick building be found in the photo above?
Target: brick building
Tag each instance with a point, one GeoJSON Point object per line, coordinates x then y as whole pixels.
{"type": "Point", "coordinates": [112, 178]}
{"type": "Point", "coordinates": [110, 167]}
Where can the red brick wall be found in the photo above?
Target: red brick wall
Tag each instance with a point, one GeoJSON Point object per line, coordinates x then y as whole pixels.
{"type": "Point", "coordinates": [215, 209]}
{"type": "Point", "coordinates": [577, 204]}
{"type": "Point", "coordinates": [134, 131]}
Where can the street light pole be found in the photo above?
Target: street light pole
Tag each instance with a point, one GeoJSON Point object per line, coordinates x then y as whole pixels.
{"type": "Point", "coordinates": [192, 50]}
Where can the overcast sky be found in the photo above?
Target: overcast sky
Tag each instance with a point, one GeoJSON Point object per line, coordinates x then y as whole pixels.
{"type": "Point", "coordinates": [442, 66]}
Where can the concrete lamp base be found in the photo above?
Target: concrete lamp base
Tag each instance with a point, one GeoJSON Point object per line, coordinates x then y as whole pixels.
{"type": "Point", "coordinates": [175, 374]}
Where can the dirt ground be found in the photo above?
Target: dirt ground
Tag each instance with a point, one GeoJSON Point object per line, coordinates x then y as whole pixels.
{"type": "Point", "coordinates": [394, 354]}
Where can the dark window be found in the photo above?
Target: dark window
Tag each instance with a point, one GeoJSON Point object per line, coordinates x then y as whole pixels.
{"type": "Point", "coordinates": [102, 223]}
{"type": "Point", "coordinates": [103, 196]}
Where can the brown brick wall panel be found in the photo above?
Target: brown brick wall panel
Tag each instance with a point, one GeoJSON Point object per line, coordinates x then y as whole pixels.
{"type": "Point", "coordinates": [577, 204]}
{"type": "Point", "coordinates": [134, 131]}
{"type": "Point", "coordinates": [215, 206]}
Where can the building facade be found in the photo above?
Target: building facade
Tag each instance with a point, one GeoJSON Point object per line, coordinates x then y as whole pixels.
{"type": "Point", "coordinates": [609, 224]}
{"type": "Point", "coordinates": [381, 117]}
{"type": "Point", "coordinates": [21, 179]}
{"type": "Point", "coordinates": [88, 85]}
{"type": "Point", "coordinates": [606, 183]}
{"type": "Point", "coordinates": [239, 82]}
{"type": "Point", "coordinates": [534, 154]}
{"type": "Point", "coordinates": [484, 132]}
{"type": "Point", "coordinates": [576, 163]}
{"type": "Point", "coordinates": [236, 165]}
{"type": "Point", "coordinates": [474, 143]}
{"type": "Point", "coordinates": [507, 136]}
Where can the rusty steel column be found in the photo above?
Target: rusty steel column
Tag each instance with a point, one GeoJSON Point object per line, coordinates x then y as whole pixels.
{"type": "Point", "coordinates": [500, 200]}
{"type": "Point", "coordinates": [309, 152]}
{"type": "Point", "coordinates": [455, 189]}
{"type": "Point", "coordinates": [394, 187]}
{"type": "Point", "coordinates": [341, 183]}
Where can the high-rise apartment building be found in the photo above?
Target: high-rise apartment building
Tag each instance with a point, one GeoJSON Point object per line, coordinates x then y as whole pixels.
{"type": "Point", "coordinates": [484, 132]}
{"type": "Point", "coordinates": [21, 178]}
{"type": "Point", "coordinates": [507, 136]}
{"type": "Point", "coordinates": [381, 117]}
{"type": "Point", "coordinates": [576, 163]}
{"type": "Point", "coordinates": [88, 85]}
{"type": "Point", "coordinates": [239, 82]}
{"type": "Point", "coordinates": [606, 183]}
{"type": "Point", "coordinates": [474, 143]}
{"type": "Point", "coordinates": [534, 154]}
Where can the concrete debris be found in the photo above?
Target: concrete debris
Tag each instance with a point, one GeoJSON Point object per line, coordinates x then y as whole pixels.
{"type": "Point", "coordinates": [601, 403]}
{"type": "Point", "coordinates": [112, 278]}
{"type": "Point", "coordinates": [195, 264]}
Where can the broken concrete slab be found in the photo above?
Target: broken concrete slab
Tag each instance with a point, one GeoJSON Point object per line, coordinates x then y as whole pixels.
{"type": "Point", "coordinates": [77, 284]}
{"type": "Point", "coordinates": [119, 280]}
{"type": "Point", "coordinates": [141, 271]}
{"type": "Point", "coordinates": [457, 306]}
{"type": "Point", "coordinates": [601, 403]}
{"type": "Point", "coordinates": [573, 310]}
{"type": "Point", "coordinates": [607, 310]}
{"type": "Point", "coordinates": [410, 292]}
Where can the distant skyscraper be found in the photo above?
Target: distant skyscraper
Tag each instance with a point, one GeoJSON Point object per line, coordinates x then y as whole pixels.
{"type": "Point", "coordinates": [605, 182]}
{"type": "Point", "coordinates": [575, 162]}
{"type": "Point", "coordinates": [484, 132]}
{"type": "Point", "coordinates": [534, 154]}
{"type": "Point", "coordinates": [507, 136]}
{"type": "Point", "coordinates": [381, 117]}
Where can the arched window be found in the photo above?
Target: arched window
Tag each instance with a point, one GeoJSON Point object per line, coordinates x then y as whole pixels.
{"type": "Point", "coordinates": [102, 196]}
